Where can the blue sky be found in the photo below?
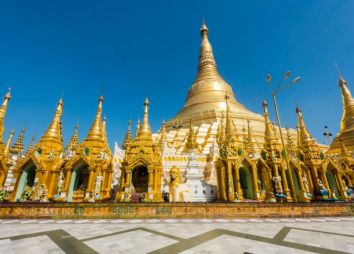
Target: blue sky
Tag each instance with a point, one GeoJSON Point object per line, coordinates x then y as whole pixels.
{"type": "Point", "coordinates": [134, 49]}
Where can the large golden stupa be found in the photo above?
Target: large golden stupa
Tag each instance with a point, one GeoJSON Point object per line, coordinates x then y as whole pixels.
{"type": "Point", "coordinates": [205, 103]}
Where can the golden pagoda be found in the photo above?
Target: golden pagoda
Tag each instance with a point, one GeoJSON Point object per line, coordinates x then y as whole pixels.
{"type": "Point", "coordinates": [141, 168]}
{"type": "Point", "coordinates": [88, 171]}
{"type": "Point", "coordinates": [205, 102]}
{"type": "Point", "coordinates": [41, 165]}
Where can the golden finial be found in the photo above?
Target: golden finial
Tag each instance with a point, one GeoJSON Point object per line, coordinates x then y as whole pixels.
{"type": "Point", "coordinates": [145, 126]}
{"type": "Point", "coordinates": [347, 121]}
{"type": "Point", "coordinates": [207, 65]}
{"type": "Point", "coordinates": [290, 141]}
{"type": "Point", "coordinates": [265, 106]}
{"type": "Point", "coordinates": [163, 133]}
{"type": "Point", "coordinates": [3, 110]}
{"type": "Point", "coordinates": [96, 131]}
{"type": "Point", "coordinates": [203, 28]}
{"type": "Point", "coordinates": [340, 77]}
{"type": "Point", "coordinates": [8, 143]}
{"type": "Point", "coordinates": [230, 129]}
{"type": "Point", "coordinates": [104, 131]}
{"type": "Point", "coordinates": [31, 145]}
{"type": "Point", "coordinates": [53, 133]}
{"type": "Point", "coordinates": [74, 141]}
{"type": "Point", "coordinates": [304, 134]}
{"type": "Point", "coordinates": [269, 130]}
{"type": "Point", "coordinates": [137, 128]}
{"type": "Point", "coordinates": [128, 136]}
{"type": "Point", "coordinates": [18, 147]}
{"type": "Point", "coordinates": [251, 142]}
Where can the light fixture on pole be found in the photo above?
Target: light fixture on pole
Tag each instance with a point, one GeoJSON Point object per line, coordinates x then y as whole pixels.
{"type": "Point", "coordinates": [282, 86]}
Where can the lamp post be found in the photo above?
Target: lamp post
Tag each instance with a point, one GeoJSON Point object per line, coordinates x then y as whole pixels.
{"type": "Point", "coordinates": [280, 88]}
{"type": "Point", "coordinates": [327, 134]}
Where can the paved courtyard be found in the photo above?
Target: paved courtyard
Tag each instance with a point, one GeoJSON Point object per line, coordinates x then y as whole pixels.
{"type": "Point", "coordinates": [302, 235]}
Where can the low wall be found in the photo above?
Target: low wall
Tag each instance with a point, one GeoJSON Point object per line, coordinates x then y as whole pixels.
{"type": "Point", "coordinates": [171, 210]}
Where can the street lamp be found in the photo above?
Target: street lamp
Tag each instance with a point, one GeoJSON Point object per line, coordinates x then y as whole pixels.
{"type": "Point", "coordinates": [284, 84]}
{"type": "Point", "coordinates": [327, 134]}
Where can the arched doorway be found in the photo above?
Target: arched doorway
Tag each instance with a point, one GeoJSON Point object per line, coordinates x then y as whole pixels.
{"type": "Point", "coordinates": [140, 179]}
{"type": "Point", "coordinates": [27, 179]}
{"type": "Point", "coordinates": [332, 182]}
{"type": "Point", "coordinates": [246, 183]}
{"type": "Point", "coordinates": [78, 183]}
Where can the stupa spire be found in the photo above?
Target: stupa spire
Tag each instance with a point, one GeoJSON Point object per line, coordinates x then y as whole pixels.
{"type": "Point", "coordinates": [347, 121]}
{"type": "Point", "coordinates": [96, 131]}
{"type": "Point", "coordinates": [271, 141]}
{"type": "Point", "coordinates": [207, 65]}
{"type": "Point", "coordinates": [144, 131]}
{"type": "Point", "coordinates": [8, 143]}
{"type": "Point", "coordinates": [145, 126]}
{"type": "Point", "coordinates": [290, 143]}
{"type": "Point", "coordinates": [230, 128]}
{"type": "Point", "coordinates": [163, 136]}
{"type": "Point", "coordinates": [138, 125]}
{"type": "Point", "coordinates": [3, 110]}
{"type": "Point", "coordinates": [269, 134]}
{"type": "Point", "coordinates": [105, 140]}
{"type": "Point", "coordinates": [208, 91]}
{"type": "Point", "coordinates": [74, 141]}
{"type": "Point", "coordinates": [304, 133]}
{"type": "Point", "coordinates": [31, 145]}
{"type": "Point", "coordinates": [18, 147]}
{"type": "Point", "coordinates": [53, 133]}
{"type": "Point", "coordinates": [128, 136]}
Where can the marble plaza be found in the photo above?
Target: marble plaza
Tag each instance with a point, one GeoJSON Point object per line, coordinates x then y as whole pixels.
{"type": "Point", "coordinates": [295, 235]}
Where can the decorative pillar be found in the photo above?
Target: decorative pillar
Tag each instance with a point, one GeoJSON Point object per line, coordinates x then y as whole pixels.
{"type": "Point", "coordinates": [230, 184]}
{"type": "Point", "coordinates": [109, 181]}
{"type": "Point", "coordinates": [240, 192]}
{"type": "Point", "coordinates": [255, 184]}
{"type": "Point", "coordinates": [314, 177]}
{"type": "Point", "coordinates": [67, 180]}
{"type": "Point", "coordinates": [128, 178]}
{"type": "Point", "coordinates": [309, 178]}
{"type": "Point", "coordinates": [90, 180]}
{"type": "Point", "coordinates": [302, 187]}
{"type": "Point", "coordinates": [150, 180]}
{"type": "Point", "coordinates": [285, 184]}
{"type": "Point", "coordinates": [223, 180]}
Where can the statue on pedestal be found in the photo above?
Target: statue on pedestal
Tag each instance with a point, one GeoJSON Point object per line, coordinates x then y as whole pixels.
{"type": "Point", "coordinates": [98, 184]}
{"type": "Point", "coordinates": [278, 187]}
{"type": "Point", "coordinates": [60, 183]}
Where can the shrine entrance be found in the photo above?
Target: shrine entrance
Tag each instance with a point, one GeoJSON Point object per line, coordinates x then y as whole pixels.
{"type": "Point", "coordinates": [140, 179]}
{"type": "Point", "coordinates": [332, 183]}
{"type": "Point", "coordinates": [78, 183]}
{"type": "Point", "coordinates": [27, 179]}
{"type": "Point", "coordinates": [246, 183]}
